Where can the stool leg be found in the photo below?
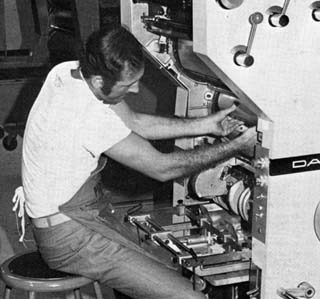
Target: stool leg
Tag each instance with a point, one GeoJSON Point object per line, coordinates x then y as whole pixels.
{"type": "Point", "coordinates": [31, 295]}
{"type": "Point", "coordinates": [97, 290]}
{"type": "Point", "coordinates": [7, 293]}
{"type": "Point", "coordinates": [77, 294]}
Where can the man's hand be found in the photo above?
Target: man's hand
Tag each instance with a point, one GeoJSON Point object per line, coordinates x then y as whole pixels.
{"type": "Point", "coordinates": [246, 141]}
{"type": "Point", "coordinates": [221, 124]}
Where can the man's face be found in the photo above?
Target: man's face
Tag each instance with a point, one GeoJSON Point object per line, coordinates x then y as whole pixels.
{"type": "Point", "coordinates": [129, 83]}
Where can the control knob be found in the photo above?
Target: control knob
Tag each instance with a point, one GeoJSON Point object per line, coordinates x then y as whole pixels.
{"type": "Point", "coordinates": [230, 4]}
{"type": "Point", "coordinates": [315, 6]}
{"type": "Point", "coordinates": [262, 163]}
{"type": "Point", "coordinates": [259, 215]}
{"type": "Point", "coordinates": [279, 18]}
{"type": "Point", "coordinates": [316, 14]}
{"type": "Point", "coordinates": [262, 181]}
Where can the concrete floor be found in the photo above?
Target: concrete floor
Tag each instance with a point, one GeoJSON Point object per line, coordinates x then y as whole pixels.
{"type": "Point", "coordinates": [9, 180]}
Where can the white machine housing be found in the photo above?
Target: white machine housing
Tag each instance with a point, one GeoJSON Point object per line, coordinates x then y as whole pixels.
{"type": "Point", "coordinates": [268, 55]}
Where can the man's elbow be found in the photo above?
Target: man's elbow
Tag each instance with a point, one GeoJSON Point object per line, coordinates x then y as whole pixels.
{"type": "Point", "coordinates": [164, 177]}
{"type": "Point", "coordinates": [165, 174]}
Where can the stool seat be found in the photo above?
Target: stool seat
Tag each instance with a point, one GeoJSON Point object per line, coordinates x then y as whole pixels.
{"type": "Point", "coordinates": [27, 271]}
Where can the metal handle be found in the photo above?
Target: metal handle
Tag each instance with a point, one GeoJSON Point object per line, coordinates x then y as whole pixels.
{"type": "Point", "coordinates": [304, 290]}
{"type": "Point", "coordinates": [280, 19]}
{"type": "Point", "coordinates": [244, 57]}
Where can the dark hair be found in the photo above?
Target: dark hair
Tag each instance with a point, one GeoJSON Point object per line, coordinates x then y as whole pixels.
{"type": "Point", "coordinates": [107, 53]}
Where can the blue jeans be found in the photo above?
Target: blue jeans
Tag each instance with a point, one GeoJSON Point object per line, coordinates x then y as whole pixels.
{"type": "Point", "coordinates": [74, 248]}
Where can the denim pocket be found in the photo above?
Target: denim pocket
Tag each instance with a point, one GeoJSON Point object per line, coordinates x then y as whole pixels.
{"type": "Point", "coordinates": [59, 243]}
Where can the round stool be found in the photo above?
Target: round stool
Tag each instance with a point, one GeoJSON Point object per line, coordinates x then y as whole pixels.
{"type": "Point", "coordinates": [27, 271]}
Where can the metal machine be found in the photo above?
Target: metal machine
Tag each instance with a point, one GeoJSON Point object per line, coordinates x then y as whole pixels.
{"type": "Point", "coordinates": [251, 223]}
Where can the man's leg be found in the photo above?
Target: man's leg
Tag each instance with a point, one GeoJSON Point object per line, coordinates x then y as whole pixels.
{"type": "Point", "coordinates": [119, 295]}
{"type": "Point", "coordinates": [74, 248]}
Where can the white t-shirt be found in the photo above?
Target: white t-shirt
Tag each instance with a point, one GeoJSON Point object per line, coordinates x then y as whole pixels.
{"type": "Point", "coordinates": [67, 130]}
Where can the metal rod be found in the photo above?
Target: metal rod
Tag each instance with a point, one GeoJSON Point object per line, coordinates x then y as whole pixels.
{"type": "Point", "coordinates": [164, 245]}
{"type": "Point", "coordinates": [139, 225]}
{"type": "Point", "coordinates": [157, 226]}
{"type": "Point", "coordinates": [182, 246]}
{"type": "Point", "coordinates": [285, 7]}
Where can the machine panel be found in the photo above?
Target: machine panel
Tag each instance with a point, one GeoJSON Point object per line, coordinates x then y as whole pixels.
{"type": "Point", "coordinates": [282, 80]}
{"type": "Point", "coordinates": [265, 55]}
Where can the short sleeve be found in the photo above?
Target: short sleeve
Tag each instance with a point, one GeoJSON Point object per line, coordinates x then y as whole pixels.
{"type": "Point", "coordinates": [101, 129]}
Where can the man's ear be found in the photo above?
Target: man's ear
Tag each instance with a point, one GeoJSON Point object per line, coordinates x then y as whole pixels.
{"type": "Point", "coordinates": [97, 82]}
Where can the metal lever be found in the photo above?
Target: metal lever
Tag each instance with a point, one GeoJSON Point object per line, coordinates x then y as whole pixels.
{"type": "Point", "coordinates": [154, 224]}
{"type": "Point", "coordinates": [283, 293]}
{"type": "Point", "coordinates": [278, 18]}
{"type": "Point", "coordinates": [254, 293]}
{"type": "Point", "coordinates": [304, 290]}
{"type": "Point", "coordinates": [243, 57]}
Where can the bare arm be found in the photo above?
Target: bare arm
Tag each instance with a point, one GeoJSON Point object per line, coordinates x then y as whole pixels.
{"type": "Point", "coordinates": [137, 153]}
{"type": "Point", "coordinates": [157, 127]}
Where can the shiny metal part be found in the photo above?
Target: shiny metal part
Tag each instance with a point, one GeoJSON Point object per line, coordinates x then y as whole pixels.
{"type": "Point", "coordinates": [219, 269]}
{"type": "Point", "coordinates": [205, 254]}
{"type": "Point", "coordinates": [243, 56]}
{"type": "Point", "coordinates": [315, 6]}
{"type": "Point", "coordinates": [278, 17]}
{"type": "Point", "coordinates": [230, 4]}
{"type": "Point", "coordinates": [304, 290]}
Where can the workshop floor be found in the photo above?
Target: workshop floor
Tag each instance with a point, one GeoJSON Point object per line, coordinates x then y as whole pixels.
{"type": "Point", "coordinates": [9, 180]}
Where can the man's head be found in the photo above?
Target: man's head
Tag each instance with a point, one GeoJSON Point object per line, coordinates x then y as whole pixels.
{"type": "Point", "coordinates": [112, 64]}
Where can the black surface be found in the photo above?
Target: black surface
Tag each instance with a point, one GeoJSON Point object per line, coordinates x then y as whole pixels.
{"type": "Point", "coordinates": [296, 164]}
{"type": "Point", "coordinates": [31, 265]}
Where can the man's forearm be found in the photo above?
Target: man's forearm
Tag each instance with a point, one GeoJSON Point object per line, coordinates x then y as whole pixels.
{"type": "Point", "coordinates": [137, 153]}
{"type": "Point", "coordinates": [157, 127]}
{"type": "Point", "coordinates": [185, 163]}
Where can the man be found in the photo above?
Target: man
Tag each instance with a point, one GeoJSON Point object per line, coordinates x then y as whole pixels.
{"type": "Point", "coordinates": [78, 117]}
